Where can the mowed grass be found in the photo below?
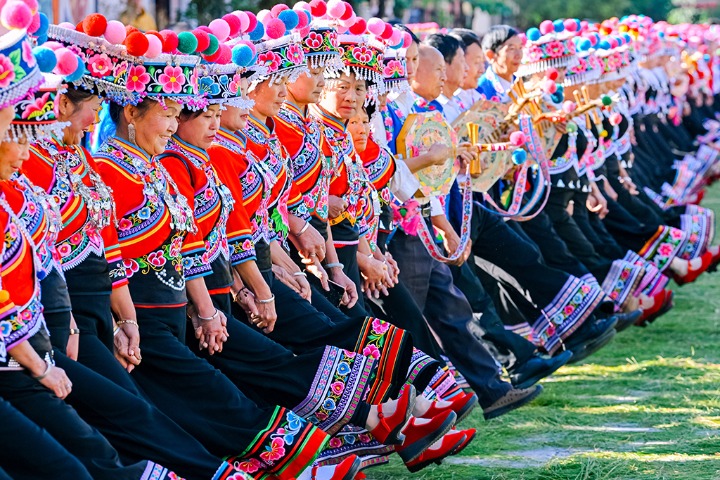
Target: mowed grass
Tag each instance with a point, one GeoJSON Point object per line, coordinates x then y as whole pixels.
{"type": "Point", "coordinates": [645, 407]}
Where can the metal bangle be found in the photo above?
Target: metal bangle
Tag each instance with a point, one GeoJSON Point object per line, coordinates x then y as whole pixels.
{"type": "Point", "coordinates": [74, 331]}
{"type": "Point", "coordinates": [300, 274]}
{"type": "Point", "coordinates": [269, 300]}
{"type": "Point", "coordinates": [334, 265]}
{"type": "Point", "coordinates": [47, 371]}
{"type": "Point", "coordinates": [207, 319]}
{"type": "Point", "coordinates": [123, 322]}
{"type": "Point", "coordinates": [303, 229]}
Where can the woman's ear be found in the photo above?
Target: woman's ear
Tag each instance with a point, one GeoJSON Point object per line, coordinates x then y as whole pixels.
{"type": "Point", "coordinates": [64, 106]}
{"type": "Point", "coordinates": [490, 55]}
{"type": "Point", "coordinates": [129, 113]}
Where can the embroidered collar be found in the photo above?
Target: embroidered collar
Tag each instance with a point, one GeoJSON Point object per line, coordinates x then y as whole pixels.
{"type": "Point", "coordinates": [328, 120]}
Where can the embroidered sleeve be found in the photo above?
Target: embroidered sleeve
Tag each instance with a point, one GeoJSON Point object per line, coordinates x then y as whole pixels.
{"type": "Point", "coordinates": [114, 257]}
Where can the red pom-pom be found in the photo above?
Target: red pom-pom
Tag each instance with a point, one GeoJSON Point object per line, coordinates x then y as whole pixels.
{"type": "Point", "coordinates": [253, 21]}
{"type": "Point", "coordinates": [549, 87]}
{"type": "Point", "coordinates": [278, 8]}
{"type": "Point", "coordinates": [94, 24]}
{"type": "Point", "coordinates": [303, 19]}
{"type": "Point", "coordinates": [318, 8]}
{"type": "Point", "coordinates": [169, 40]}
{"type": "Point", "coordinates": [203, 40]}
{"type": "Point", "coordinates": [204, 28]}
{"type": "Point", "coordinates": [387, 33]}
{"type": "Point", "coordinates": [79, 27]}
{"type": "Point", "coordinates": [552, 74]}
{"type": "Point", "coordinates": [222, 56]}
{"type": "Point", "coordinates": [275, 28]}
{"type": "Point", "coordinates": [359, 27]}
{"type": "Point", "coordinates": [136, 44]}
{"type": "Point", "coordinates": [234, 23]}
{"type": "Point", "coordinates": [129, 29]}
{"type": "Point", "coordinates": [348, 12]}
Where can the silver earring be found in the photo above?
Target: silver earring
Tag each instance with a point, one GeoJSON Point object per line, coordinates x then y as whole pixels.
{"type": "Point", "coordinates": [131, 133]}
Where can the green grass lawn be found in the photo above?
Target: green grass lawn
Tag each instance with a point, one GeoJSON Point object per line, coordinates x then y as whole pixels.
{"type": "Point", "coordinates": [645, 407]}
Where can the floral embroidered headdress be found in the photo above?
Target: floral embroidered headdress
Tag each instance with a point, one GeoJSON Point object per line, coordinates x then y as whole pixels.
{"type": "Point", "coordinates": [36, 114]}
{"type": "Point", "coordinates": [550, 46]}
{"type": "Point", "coordinates": [19, 73]}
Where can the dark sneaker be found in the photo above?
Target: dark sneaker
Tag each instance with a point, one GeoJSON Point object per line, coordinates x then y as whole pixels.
{"type": "Point", "coordinates": [585, 350]}
{"type": "Point", "coordinates": [626, 320]}
{"type": "Point", "coordinates": [515, 398]}
{"type": "Point", "coordinates": [589, 332]}
{"type": "Point", "coordinates": [537, 368]}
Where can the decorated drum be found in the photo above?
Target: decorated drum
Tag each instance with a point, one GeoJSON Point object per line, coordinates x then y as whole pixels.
{"type": "Point", "coordinates": [487, 117]}
{"type": "Point", "coordinates": [420, 132]}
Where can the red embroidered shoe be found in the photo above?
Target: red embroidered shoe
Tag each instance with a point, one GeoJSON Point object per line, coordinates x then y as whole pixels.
{"type": "Point", "coordinates": [345, 470]}
{"type": "Point", "coordinates": [662, 303]}
{"type": "Point", "coordinates": [388, 431]}
{"type": "Point", "coordinates": [447, 446]}
{"type": "Point", "coordinates": [461, 404]}
{"type": "Point", "coordinates": [420, 434]}
{"type": "Point", "coordinates": [693, 274]}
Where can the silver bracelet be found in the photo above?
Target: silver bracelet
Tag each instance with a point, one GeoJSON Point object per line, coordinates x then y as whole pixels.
{"type": "Point", "coordinates": [300, 274]}
{"type": "Point", "coordinates": [269, 300]}
{"type": "Point", "coordinates": [207, 319]}
{"type": "Point", "coordinates": [334, 265]}
{"type": "Point", "coordinates": [303, 229]}
{"type": "Point", "coordinates": [48, 369]}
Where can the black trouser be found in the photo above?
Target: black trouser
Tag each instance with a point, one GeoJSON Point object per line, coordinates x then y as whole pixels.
{"type": "Point", "coordinates": [134, 427]}
{"type": "Point", "coordinates": [491, 329]}
{"type": "Point", "coordinates": [553, 248]}
{"type": "Point", "coordinates": [29, 452]}
{"type": "Point", "coordinates": [593, 229]}
{"type": "Point", "coordinates": [400, 309]}
{"type": "Point", "coordinates": [94, 319]}
{"type": "Point", "coordinates": [572, 235]}
{"type": "Point", "coordinates": [449, 315]}
{"type": "Point", "coordinates": [191, 391]}
{"type": "Point", "coordinates": [47, 411]}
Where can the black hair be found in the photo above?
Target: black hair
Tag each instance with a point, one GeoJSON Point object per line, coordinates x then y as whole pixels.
{"type": "Point", "coordinates": [78, 95]}
{"type": "Point", "coordinates": [116, 110]}
{"type": "Point", "coordinates": [404, 27]}
{"type": "Point", "coordinates": [446, 44]}
{"type": "Point", "coordinates": [497, 36]}
{"type": "Point", "coordinates": [467, 37]}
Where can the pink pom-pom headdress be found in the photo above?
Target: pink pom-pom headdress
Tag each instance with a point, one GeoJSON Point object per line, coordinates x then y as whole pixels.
{"type": "Point", "coordinates": [36, 114]}
{"type": "Point", "coordinates": [19, 73]}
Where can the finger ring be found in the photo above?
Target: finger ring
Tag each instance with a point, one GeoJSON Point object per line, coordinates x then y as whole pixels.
{"type": "Point", "coordinates": [313, 255]}
{"type": "Point", "coordinates": [68, 386]}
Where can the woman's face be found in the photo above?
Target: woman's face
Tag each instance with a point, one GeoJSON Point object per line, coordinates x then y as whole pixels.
{"type": "Point", "coordinates": [235, 118]}
{"type": "Point", "coordinates": [412, 58]}
{"type": "Point", "coordinates": [359, 127]}
{"type": "Point", "coordinates": [200, 130]}
{"type": "Point", "coordinates": [155, 126]}
{"type": "Point", "coordinates": [12, 156]}
{"type": "Point", "coordinates": [344, 96]}
{"type": "Point", "coordinates": [82, 116]}
{"type": "Point", "coordinates": [307, 88]}
{"type": "Point", "coordinates": [269, 98]}
{"type": "Point", "coordinates": [7, 115]}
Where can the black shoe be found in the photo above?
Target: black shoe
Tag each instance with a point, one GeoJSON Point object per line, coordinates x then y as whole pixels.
{"type": "Point", "coordinates": [537, 368]}
{"type": "Point", "coordinates": [514, 398]}
{"type": "Point", "coordinates": [625, 320]}
{"type": "Point", "coordinates": [589, 332]}
{"type": "Point", "coordinates": [583, 351]}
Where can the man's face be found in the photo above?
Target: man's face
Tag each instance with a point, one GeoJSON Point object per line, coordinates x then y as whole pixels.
{"type": "Point", "coordinates": [430, 76]}
{"type": "Point", "coordinates": [475, 60]}
{"type": "Point", "coordinates": [456, 71]}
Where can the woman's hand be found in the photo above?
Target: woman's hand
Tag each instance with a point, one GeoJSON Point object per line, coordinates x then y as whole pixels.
{"type": "Point", "coordinates": [394, 268]}
{"type": "Point", "coordinates": [452, 243]}
{"type": "Point", "coordinates": [57, 382]}
{"type": "Point", "coordinates": [336, 206]}
{"type": "Point", "coordinates": [350, 296]}
{"type": "Point", "coordinates": [210, 333]}
{"type": "Point", "coordinates": [126, 341]}
{"type": "Point", "coordinates": [596, 203]}
{"type": "Point", "coordinates": [609, 190]}
{"type": "Point", "coordinates": [73, 344]}
{"type": "Point", "coordinates": [310, 243]}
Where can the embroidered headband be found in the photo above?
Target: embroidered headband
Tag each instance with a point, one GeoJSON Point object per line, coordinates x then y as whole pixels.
{"type": "Point", "coordinates": [36, 114]}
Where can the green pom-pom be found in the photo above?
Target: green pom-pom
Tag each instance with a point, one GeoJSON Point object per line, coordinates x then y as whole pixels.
{"type": "Point", "coordinates": [571, 127]}
{"type": "Point", "coordinates": [606, 100]}
{"type": "Point", "coordinates": [187, 43]}
{"type": "Point", "coordinates": [403, 211]}
{"type": "Point", "coordinates": [214, 45]}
